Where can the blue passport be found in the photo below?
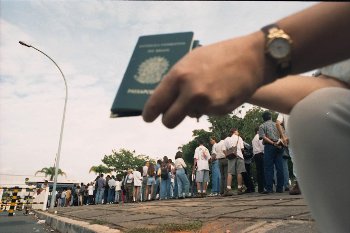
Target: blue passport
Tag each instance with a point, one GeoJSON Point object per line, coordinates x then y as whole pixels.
{"type": "Point", "coordinates": [152, 58]}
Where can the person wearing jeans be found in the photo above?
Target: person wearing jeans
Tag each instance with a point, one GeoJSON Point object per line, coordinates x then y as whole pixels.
{"type": "Point", "coordinates": [164, 188]}
{"type": "Point", "coordinates": [100, 189]}
{"type": "Point", "coordinates": [99, 195]}
{"type": "Point", "coordinates": [215, 166]}
{"type": "Point", "coordinates": [273, 157]}
{"type": "Point", "coordinates": [272, 154]}
{"type": "Point", "coordinates": [183, 184]}
{"type": "Point", "coordinates": [165, 179]}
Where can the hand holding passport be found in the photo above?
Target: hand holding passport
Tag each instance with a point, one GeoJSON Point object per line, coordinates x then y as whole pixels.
{"type": "Point", "coordinates": [152, 58]}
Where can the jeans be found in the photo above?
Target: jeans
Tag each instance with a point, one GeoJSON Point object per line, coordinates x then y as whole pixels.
{"type": "Point", "coordinates": [223, 174]}
{"type": "Point", "coordinates": [291, 154]}
{"type": "Point", "coordinates": [247, 178]}
{"type": "Point", "coordinates": [105, 195]}
{"type": "Point", "coordinates": [156, 187]}
{"type": "Point", "coordinates": [183, 184]}
{"type": "Point", "coordinates": [111, 195]}
{"type": "Point", "coordinates": [260, 176]}
{"type": "Point", "coordinates": [117, 196]}
{"type": "Point", "coordinates": [285, 172]}
{"type": "Point", "coordinates": [171, 190]}
{"type": "Point", "coordinates": [63, 201]}
{"type": "Point", "coordinates": [165, 188]}
{"type": "Point", "coordinates": [99, 195]}
{"type": "Point", "coordinates": [176, 188]}
{"type": "Point", "coordinates": [90, 199]}
{"type": "Point", "coordinates": [143, 188]}
{"type": "Point", "coordinates": [215, 176]}
{"type": "Point", "coordinates": [273, 156]}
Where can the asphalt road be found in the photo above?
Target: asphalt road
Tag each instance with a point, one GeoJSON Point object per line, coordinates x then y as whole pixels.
{"type": "Point", "coordinates": [20, 223]}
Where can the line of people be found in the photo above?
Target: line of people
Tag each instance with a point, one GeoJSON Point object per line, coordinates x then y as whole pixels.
{"type": "Point", "coordinates": [230, 157]}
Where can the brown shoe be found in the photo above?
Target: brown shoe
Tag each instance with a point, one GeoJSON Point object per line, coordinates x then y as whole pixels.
{"type": "Point", "coordinates": [199, 195]}
{"type": "Point", "coordinates": [228, 192]}
{"type": "Point", "coordinates": [240, 191]}
{"type": "Point", "coordinates": [295, 189]}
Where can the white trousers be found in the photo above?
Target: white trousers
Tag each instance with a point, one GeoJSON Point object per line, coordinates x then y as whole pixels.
{"type": "Point", "coordinates": [319, 128]}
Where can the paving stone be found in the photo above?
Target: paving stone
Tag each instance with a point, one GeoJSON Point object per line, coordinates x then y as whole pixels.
{"type": "Point", "coordinates": [272, 212]}
{"type": "Point", "coordinates": [253, 213]}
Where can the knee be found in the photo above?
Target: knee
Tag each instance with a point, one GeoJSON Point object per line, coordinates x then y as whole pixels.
{"type": "Point", "coordinates": [323, 113]}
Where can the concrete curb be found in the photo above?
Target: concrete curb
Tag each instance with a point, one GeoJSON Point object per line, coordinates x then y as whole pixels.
{"type": "Point", "coordinates": [67, 225]}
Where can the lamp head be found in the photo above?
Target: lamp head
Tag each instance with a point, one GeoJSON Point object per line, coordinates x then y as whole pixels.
{"type": "Point", "coordinates": [24, 44]}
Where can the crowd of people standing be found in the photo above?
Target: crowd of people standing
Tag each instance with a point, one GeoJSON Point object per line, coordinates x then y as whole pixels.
{"type": "Point", "coordinates": [229, 157]}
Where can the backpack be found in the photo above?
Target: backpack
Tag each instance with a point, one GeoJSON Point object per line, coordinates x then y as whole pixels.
{"type": "Point", "coordinates": [164, 172]}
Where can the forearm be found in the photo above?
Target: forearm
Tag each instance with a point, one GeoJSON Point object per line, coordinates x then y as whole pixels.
{"type": "Point", "coordinates": [268, 140]}
{"type": "Point", "coordinates": [283, 94]}
{"type": "Point", "coordinates": [279, 128]}
{"type": "Point", "coordinates": [320, 35]}
{"type": "Point", "coordinates": [233, 69]}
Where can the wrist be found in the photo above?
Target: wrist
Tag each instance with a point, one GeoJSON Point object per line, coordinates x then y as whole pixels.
{"type": "Point", "coordinates": [265, 68]}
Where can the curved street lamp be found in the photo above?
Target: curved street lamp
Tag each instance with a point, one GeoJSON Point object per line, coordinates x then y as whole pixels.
{"type": "Point", "coordinates": [57, 160]}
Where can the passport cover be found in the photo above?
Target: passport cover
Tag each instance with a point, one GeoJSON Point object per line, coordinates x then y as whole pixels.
{"type": "Point", "coordinates": [152, 58]}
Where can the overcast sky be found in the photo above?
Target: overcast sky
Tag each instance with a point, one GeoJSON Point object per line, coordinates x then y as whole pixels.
{"type": "Point", "coordinates": [92, 42]}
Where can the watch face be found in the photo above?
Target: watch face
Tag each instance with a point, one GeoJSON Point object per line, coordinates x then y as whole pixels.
{"type": "Point", "coordinates": [279, 48]}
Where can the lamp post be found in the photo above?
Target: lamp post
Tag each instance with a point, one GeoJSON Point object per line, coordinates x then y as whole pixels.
{"type": "Point", "coordinates": [57, 159]}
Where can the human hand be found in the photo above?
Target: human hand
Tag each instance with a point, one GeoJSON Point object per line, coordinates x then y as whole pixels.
{"type": "Point", "coordinates": [210, 80]}
{"type": "Point", "coordinates": [285, 140]}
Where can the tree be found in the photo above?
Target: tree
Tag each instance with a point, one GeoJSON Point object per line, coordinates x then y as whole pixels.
{"type": "Point", "coordinates": [222, 125]}
{"type": "Point", "coordinates": [50, 171]}
{"type": "Point", "coordinates": [100, 169]}
{"type": "Point", "coordinates": [251, 120]}
{"type": "Point", "coordinates": [122, 160]}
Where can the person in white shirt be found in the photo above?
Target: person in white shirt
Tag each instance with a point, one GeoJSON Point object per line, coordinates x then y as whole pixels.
{"type": "Point", "coordinates": [90, 189]}
{"type": "Point", "coordinates": [281, 123]}
{"type": "Point", "coordinates": [183, 184]}
{"type": "Point", "coordinates": [111, 190]}
{"type": "Point", "coordinates": [201, 161]}
{"type": "Point", "coordinates": [258, 151]}
{"type": "Point", "coordinates": [151, 172]}
{"type": "Point", "coordinates": [173, 182]}
{"type": "Point", "coordinates": [282, 119]}
{"type": "Point", "coordinates": [129, 185]}
{"type": "Point", "coordinates": [215, 167]}
{"type": "Point", "coordinates": [137, 184]}
{"type": "Point", "coordinates": [118, 189]}
{"type": "Point", "coordinates": [63, 198]}
{"type": "Point", "coordinates": [144, 181]}
{"type": "Point", "coordinates": [221, 157]}
{"type": "Point", "coordinates": [235, 165]}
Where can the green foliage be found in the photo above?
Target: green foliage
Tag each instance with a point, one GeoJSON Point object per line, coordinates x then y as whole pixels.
{"type": "Point", "coordinates": [50, 171]}
{"type": "Point", "coordinates": [251, 120]}
{"type": "Point", "coordinates": [222, 125]}
{"type": "Point", "coordinates": [188, 151]}
{"type": "Point", "coordinates": [122, 160]}
{"type": "Point", "coordinates": [100, 169]}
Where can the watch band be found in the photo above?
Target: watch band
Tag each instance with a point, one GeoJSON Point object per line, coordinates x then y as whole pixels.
{"type": "Point", "coordinates": [267, 28]}
{"type": "Point", "coordinates": [284, 66]}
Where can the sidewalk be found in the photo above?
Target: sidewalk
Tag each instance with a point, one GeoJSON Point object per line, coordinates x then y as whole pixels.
{"type": "Point", "coordinates": [251, 213]}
